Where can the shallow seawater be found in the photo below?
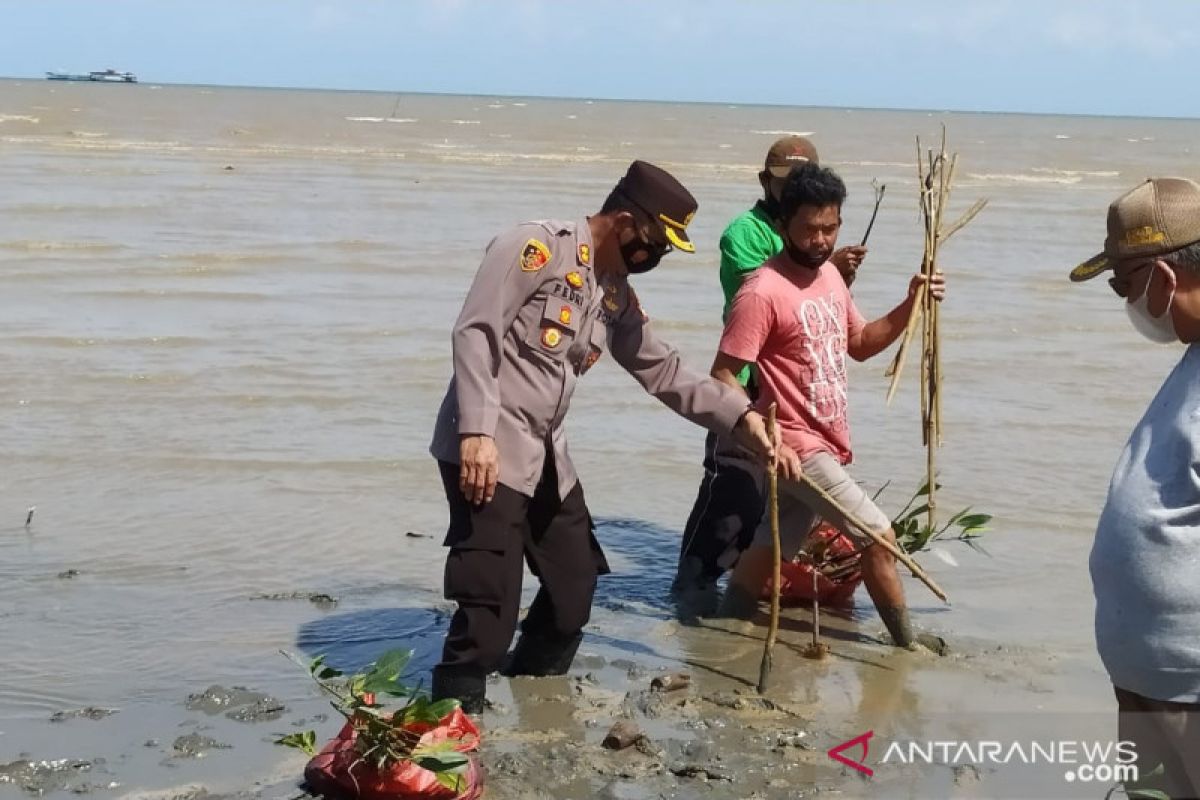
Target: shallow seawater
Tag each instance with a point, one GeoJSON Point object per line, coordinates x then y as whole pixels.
{"type": "Point", "coordinates": [225, 333]}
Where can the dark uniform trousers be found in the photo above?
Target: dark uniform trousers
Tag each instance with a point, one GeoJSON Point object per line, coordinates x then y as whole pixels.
{"type": "Point", "coordinates": [724, 517]}
{"type": "Point", "coordinates": [726, 513]}
{"type": "Point", "coordinates": [489, 545]}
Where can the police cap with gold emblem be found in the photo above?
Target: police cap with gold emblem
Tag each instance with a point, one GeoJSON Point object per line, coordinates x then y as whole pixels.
{"type": "Point", "coordinates": [656, 192]}
{"type": "Point", "coordinates": [1157, 217]}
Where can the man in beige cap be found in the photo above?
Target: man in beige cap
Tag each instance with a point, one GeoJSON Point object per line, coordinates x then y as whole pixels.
{"type": "Point", "coordinates": [729, 503]}
{"type": "Point", "coordinates": [1145, 557]}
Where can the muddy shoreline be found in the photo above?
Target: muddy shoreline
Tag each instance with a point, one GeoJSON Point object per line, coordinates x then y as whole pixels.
{"type": "Point", "coordinates": [715, 737]}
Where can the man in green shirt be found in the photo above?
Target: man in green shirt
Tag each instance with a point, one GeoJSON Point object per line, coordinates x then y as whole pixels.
{"type": "Point", "coordinates": [730, 503]}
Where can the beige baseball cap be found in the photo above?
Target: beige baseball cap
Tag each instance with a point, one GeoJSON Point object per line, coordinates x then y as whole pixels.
{"type": "Point", "coordinates": [787, 153]}
{"type": "Point", "coordinates": [1156, 217]}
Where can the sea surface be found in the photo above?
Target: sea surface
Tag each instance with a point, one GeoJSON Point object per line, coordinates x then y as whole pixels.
{"type": "Point", "coordinates": [224, 335]}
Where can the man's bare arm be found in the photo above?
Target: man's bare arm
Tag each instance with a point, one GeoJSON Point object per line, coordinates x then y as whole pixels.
{"type": "Point", "coordinates": [725, 368]}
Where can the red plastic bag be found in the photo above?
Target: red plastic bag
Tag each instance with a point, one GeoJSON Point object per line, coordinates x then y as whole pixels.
{"type": "Point", "coordinates": [338, 772]}
{"type": "Point", "coordinates": [795, 578]}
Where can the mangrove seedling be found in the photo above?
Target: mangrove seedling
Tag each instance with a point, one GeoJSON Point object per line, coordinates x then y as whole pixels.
{"type": "Point", "coordinates": [388, 733]}
{"type": "Point", "coordinates": [914, 534]}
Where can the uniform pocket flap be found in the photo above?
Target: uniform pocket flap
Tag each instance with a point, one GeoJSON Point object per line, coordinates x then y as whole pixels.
{"type": "Point", "coordinates": [562, 314]}
{"type": "Point", "coordinates": [557, 328]}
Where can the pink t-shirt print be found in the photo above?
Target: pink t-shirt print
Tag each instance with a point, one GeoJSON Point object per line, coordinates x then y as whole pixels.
{"type": "Point", "coordinates": [794, 325]}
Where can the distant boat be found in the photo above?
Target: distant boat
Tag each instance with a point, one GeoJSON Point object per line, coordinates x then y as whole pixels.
{"type": "Point", "coordinates": [107, 76]}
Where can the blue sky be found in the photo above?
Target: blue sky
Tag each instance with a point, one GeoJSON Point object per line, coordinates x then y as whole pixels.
{"type": "Point", "coordinates": [1064, 56]}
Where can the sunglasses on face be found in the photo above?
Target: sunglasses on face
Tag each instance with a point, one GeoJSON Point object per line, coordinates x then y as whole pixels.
{"type": "Point", "coordinates": [658, 248]}
{"type": "Point", "coordinates": [1121, 283]}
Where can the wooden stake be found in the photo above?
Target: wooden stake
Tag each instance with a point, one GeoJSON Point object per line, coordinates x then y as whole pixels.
{"type": "Point", "coordinates": [816, 650]}
{"type": "Point", "coordinates": [764, 669]}
{"type": "Point", "coordinates": [816, 609]}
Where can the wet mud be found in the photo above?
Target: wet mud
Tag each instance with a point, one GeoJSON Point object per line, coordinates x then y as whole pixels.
{"type": "Point", "coordinates": [318, 599]}
{"type": "Point", "coordinates": [63, 775]}
{"type": "Point", "coordinates": [237, 703]}
{"type": "Point", "coordinates": [656, 705]}
{"type": "Point", "coordinates": [90, 712]}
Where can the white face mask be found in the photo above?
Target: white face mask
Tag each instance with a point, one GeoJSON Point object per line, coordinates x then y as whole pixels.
{"type": "Point", "coordinates": [1160, 330]}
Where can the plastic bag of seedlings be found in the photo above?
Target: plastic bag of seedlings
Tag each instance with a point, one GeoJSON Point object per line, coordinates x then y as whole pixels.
{"type": "Point", "coordinates": [838, 575]}
{"type": "Point", "coordinates": [397, 742]}
{"type": "Point", "coordinates": [343, 770]}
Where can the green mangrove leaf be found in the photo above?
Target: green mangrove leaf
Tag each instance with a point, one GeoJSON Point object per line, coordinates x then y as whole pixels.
{"type": "Point", "coordinates": [975, 521]}
{"type": "Point", "coordinates": [306, 741]}
{"type": "Point", "coordinates": [392, 663]}
{"type": "Point", "coordinates": [440, 762]}
{"type": "Point", "coordinates": [451, 779]}
{"type": "Point", "coordinates": [421, 710]}
{"type": "Point", "coordinates": [443, 707]}
{"type": "Point", "coordinates": [974, 545]}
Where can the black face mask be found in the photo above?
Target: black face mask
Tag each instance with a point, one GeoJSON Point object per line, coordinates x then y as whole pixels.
{"type": "Point", "coordinates": [630, 249]}
{"type": "Point", "coordinates": [771, 206]}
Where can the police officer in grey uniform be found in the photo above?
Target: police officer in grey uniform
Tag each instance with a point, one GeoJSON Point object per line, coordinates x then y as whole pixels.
{"type": "Point", "coordinates": [548, 300]}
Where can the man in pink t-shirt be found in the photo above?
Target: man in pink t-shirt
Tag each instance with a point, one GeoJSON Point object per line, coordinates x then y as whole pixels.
{"type": "Point", "coordinates": [795, 320]}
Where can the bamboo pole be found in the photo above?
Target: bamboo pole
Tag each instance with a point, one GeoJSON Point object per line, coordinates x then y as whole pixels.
{"type": "Point", "coordinates": [897, 365]}
{"type": "Point", "coordinates": [764, 669]}
{"type": "Point", "coordinates": [930, 377]}
{"type": "Point", "coordinates": [962, 221]}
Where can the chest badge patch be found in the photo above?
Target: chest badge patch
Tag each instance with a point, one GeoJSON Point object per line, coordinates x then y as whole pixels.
{"type": "Point", "coordinates": [564, 315]}
{"type": "Point", "coordinates": [575, 279]}
{"type": "Point", "coordinates": [534, 256]}
{"type": "Point", "coordinates": [551, 337]}
{"type": "Point", "coordinates": [585, 254]}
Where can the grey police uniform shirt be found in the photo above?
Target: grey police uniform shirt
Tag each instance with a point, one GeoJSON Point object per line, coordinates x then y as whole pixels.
{"type": "Point", "coordinates": [534, 321]}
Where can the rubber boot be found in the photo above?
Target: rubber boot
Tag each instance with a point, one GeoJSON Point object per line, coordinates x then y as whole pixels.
{"type": "Point", "coordinates": [467, 685]}
{"type": "Point", "coordinates": [539, 656]}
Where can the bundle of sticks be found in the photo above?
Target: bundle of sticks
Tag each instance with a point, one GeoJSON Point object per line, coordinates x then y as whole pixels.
{"type": "Point", "coordinates": [935, 178]}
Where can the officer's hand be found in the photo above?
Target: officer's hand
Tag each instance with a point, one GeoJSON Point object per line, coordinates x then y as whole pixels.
{"type": "Point", "coordinates": [847, 261]}
{"type": "Point", "coordinates": [937, 287]}
{"type": "Point", "coordinates": [480, 467]}
{"type": "Point", "coordinates": [751, 433]}
{"type": "Point", "coordinates": [788, 464]}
